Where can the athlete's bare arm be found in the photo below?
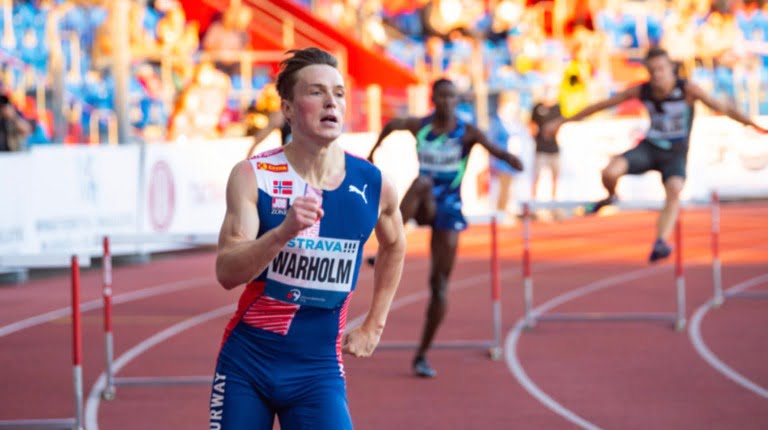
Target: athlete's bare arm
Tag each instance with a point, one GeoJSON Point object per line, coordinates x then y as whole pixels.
{"type": "Point", "coordinates": [697, 93]}
{"type": "Point", "coordinates": [411, 123]}
{"type": "Point", "coordinates": [362, 341]}
{"type": "Point", "coordinates": [241, 256]}
{"type": "Point", "coordinates": [550, 129]}
{"type": "Point", "coordinates": [474, 135]}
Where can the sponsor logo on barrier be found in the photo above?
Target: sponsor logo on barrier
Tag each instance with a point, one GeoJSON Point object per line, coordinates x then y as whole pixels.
{"type": "Point", "coordinates": [162, 197]}
{"type": "Point", "coordinates": [278, 168]}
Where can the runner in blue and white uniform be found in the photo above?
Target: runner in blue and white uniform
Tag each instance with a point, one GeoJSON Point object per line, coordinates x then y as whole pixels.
{"type": "Point", "coordinates": [670, 102]}
{"type": "Point", "coordinates": [296, 222]}
{"type": "Point", "coordinates": [443, 143]}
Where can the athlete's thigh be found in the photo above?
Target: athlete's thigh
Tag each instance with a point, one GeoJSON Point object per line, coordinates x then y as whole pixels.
{"type": "Point", "coordinates": [325, 408]}
{"type": "Point", "coordinates": [418, 202]}
{"type": "Point", "coordinates": [236, 405]}
{"type": "Point", "coordinates": [673, 166]}
{"type": "Point", "coordinates": [640, 159]}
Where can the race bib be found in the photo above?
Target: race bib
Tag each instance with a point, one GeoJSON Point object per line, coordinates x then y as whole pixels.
{"type": "Point", "coordinates": [313, 271]}
{"type": "Point", "coordinates": [440, 160]}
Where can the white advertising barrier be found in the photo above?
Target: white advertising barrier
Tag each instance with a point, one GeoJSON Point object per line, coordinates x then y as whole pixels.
{"type": "Point", "coordinates": [74, 194]}
{"type": "Point", "coordinates": [723, 156]}
{"type": "Point", "coordinates": [16, 227]}
{"type": "Point", "coordinates": [185, 183]}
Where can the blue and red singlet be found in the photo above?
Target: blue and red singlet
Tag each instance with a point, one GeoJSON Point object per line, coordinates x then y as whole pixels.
{"type": "Point", "coordinates": [281, 353]}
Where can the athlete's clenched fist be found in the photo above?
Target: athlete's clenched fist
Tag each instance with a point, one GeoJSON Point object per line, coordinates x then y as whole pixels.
{"type": "Point", "coordinates": [303, 213]}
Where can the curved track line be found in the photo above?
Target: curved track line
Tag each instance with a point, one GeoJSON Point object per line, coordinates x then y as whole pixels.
{"type": "Point", "coordinates": [694, 333]}
{"type": "Point", "coordinates": [513, 337]}
{"type": "Point", "coordinates": [94, 397]}
{"type": "Point", "coordinates": [510, 345]}
{"type": "Point", "coordinates": [157, 290]}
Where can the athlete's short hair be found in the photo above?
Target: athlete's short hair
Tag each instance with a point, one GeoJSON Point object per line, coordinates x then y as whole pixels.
{"type": "Point", "coordinates": [439, 82]}
{"type": "Point", "coordinates": [299, 59]}
{"type": "Point", "coordinates": [656, 52]}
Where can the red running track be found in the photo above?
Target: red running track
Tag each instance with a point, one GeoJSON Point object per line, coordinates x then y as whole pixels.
{"type": "Point", "coordinates": [617, 375]}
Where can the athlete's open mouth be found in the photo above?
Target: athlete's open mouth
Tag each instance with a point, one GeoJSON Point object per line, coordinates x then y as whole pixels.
{"type": "Point", "coordinates": [329, 118]}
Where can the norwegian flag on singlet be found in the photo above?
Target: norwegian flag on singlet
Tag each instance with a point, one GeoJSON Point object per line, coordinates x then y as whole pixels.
{"type": "Point", "coordinates": [283, 188]}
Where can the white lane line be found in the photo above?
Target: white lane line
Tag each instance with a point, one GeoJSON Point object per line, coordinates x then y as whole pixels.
{"type": "Point", "coordinates": [513, 337]}
{"type": "Point", "coordinates": [144, 293]}
{"type": "Point", "coordinates": [694, 333]}
{"type": "Point", "coordinates": [94, 397]}
{"type": "Point", "coordinates": [513, 362]}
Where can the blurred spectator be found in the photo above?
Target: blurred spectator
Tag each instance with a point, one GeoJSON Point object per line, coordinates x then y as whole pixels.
{"type": "Point", "coordinates": [574, 91]}
{"type": "Point", "coordinates": [372, 24]}
{"type": "Point", "coordinates": [229, 35]}
{"type": "Point", "coordinates": [264, 116]}
{"type": "Point", "coordinates": [505, 17]}
{"type": "Point", "coordinates": [440, 17]}
{"type": "Point", "coordinates": [679, 35]}
{"type": "Point", "coordinates": [143, 44]}
{"type": "Point", "coordinates": [719, 40]}
{"type": "Point", "coordinates": [547, 154]}
{"type": "Point", "coordinates": [14, 128]}
{"type": "Point", "coordinates": [508, 132]}
{"type": "Point", "coordinates": [201, 104]}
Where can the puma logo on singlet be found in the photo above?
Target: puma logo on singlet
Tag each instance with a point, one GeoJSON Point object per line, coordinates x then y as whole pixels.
{"type": "Point", "coordinates": [354, 189]}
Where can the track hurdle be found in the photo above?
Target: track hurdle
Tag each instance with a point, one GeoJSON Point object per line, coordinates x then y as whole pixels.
{"type": "Point", "coordinates": [74, 263]}
{"type": "Point", "coordinates": [492, 345]}
{"type": "Point", "coordinates": [677, 318]}
{"type": "Point", "coordinates": [113, 381]}
{"type": "Point", "coordinates": [719, 296]}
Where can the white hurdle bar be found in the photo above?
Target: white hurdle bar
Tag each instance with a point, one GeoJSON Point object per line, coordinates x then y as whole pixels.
{"type": "Point", "coordinates": [112, 382]}
{"type": "Point", "coordinates": [493, 345]}
{"type": "Point", "coordinates": [48, 261]}
{"type": "Point", "coordinates": [678, 318]}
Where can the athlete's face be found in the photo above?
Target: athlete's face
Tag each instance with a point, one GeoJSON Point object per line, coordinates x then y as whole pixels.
{"type": "Point", "coordinates": [445, 98]}
{"type": "Point", "coordinates": [318, 106]}
{"type": "Point", "coordinates": [661, 71]}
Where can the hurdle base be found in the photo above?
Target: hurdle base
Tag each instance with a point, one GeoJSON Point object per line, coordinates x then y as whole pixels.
{"type": "Point", "coordinates": [748, 295]}
{"type": "Point", "coordinates": [453, 344]}
{"type": "Point", "coordinates": [53, 423]}
{"type": "Point", "coordinates": [609, 317]}
{"type": "Point", "coordinates": [109, 393]}
{"type": "Point", "coordinates": [128, 381]}
{"type": "Point", "coordinates": [132, 259]}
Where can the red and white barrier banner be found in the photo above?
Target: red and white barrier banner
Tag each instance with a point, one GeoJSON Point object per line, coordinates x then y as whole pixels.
{"type": "Point", "coordinates": [185, 185]}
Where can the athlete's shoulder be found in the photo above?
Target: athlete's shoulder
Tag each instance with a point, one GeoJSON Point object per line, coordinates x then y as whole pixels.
{"type": "Point", "coordinates": [357, 163]}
